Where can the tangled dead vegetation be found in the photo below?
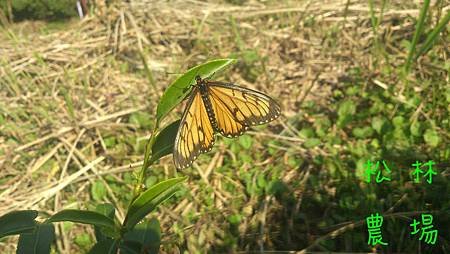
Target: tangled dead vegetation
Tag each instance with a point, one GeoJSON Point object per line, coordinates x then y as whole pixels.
{"type": "Point", "coordinates": [63, 91]}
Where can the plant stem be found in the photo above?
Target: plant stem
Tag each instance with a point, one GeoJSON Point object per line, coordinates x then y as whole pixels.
{"type": "Point", "coordinates": [433, 35]}
{"type": "Point", "coordinates": [142, 174]}
{"type": "Point", "coordinates": [417, 33]}
{"type": "Point", "coordinates": [148, 72]}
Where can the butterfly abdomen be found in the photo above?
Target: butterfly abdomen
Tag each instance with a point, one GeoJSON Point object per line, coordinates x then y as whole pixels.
{"type": "Point", "coordinates": [208, 105]}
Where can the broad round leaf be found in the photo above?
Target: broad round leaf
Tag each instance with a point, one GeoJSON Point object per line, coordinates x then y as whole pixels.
{"type": "Point", "coordinates": [432, 137]}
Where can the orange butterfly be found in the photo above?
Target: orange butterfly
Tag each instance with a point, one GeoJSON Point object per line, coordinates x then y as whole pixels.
{"type": "Point", "coordinates": [218, 107]}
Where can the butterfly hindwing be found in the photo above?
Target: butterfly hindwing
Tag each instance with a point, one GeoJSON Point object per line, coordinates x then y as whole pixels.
{"type": "Point", "coordinates": [236, 108]}
{"type": "Point", "coordinates": [195, 134]}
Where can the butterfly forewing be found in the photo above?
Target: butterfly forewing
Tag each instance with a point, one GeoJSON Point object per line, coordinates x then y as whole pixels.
{"type": "Point", "coordinates": [195, 134]}
{"type": "Point", "coordinates": [226, 122]}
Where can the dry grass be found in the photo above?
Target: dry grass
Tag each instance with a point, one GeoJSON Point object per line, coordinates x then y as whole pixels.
{"type": "Point", "coordinates": [64, 91]}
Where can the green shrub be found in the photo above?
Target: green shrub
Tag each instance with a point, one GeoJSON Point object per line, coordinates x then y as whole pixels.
{"type": "Point", "coordinates": [42, 9]}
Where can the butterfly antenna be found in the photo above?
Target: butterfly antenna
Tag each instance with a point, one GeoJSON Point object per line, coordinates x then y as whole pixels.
{"type": "Point", "coordinates": [211, 76]}
{"type": "Point", "coordinates": [173, 73]}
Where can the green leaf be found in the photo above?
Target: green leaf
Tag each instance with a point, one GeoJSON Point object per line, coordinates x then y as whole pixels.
{"type": "Point", "coordinates": [148, 234]}
{"type": "Point", "coordinates": [250, 56]}
{"type": "Point", "coordinates": [277, 188]}
{"type": "Point", "coordinates": [83, 240]}
{"type": "Point", "coordinates": [131, 247]}
{"type": "Point", "coordinates": [106, 209]}
{"type": "Point", "coordinates": [38, 241]}
{"type": "Point", "coordinates": [416, 129]}
{"type": "Point", "coordinates": [245, 141]}
{"type": "Point", "coordinates": [85, 217]}
{"type": "Point", "coordinates": [180, 88]}
{"type": "Point", "coordinates": [346, 112]}
{"type": "Point", "coordinates": [362, 132]}
{"type": "Point", "coordinates": [312, 142]}
{"type": "Point", "coordinates": [150, 199]}
{"type": "Point", "coordinates": [98, 190]}
{"type": "Point", "coordinates": [164, 142]}
{"type": "Point", "coordinates": [433, 36]}
{"type": "Point", "coordinates": [107, 246]}
{"type": "Point", "coordinates": [235, 219]}
{"type": "Point", "coordinates": [306, 133]}
{"type": "Point", "coordinates": [398, 121]}
{"type": "Point", "coordinates": [102, 233]}
{"type": "Point", "coordinates": [141, 119]}
{"type": "Point", "coordinates": [261, 181]}
{"type": "Point", "coordinates": [417, 34]}
{"type": "Point", "coordinates": [151, 180]}
{"type": "Point", "coordinates": [432, 137]}
{"type": "Point", "coordinates": [378, 124]}
{"type": "Point", "coordinates": [17, 222]}
{"type": "Point", "coordinates": [110, 142]}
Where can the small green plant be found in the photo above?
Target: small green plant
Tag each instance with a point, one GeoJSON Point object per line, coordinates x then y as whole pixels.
{"type": "Point", "coordinates": [134, 234]}
{"type": "Point", "coordinates": [431, 38]}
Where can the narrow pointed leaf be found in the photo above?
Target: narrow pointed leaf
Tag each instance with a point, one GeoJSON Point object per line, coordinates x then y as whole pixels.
{"type": "Point", "coordinates": [131, 247]}
{"type": "Point", "coordinates": [164, 142]}
{"type": "Point", "coordinates": [419, 29]}
{"type": "Point", "coordinates": [434, 35]}
{"type": "Point", "coordinates": [37, 242]}
{"type": "Point", "coordinates": [85, 217]}
{"type": "Point", "coordinates": [178, 90]}
{"type": "Point", "coordinates": [148, 234]}
{"type": "Point", "coordinates": [108, 246]}
{"type": "Point", "coordinates": [17, 222]}
{"type": "Point", "coordinates": [101, 233]}
{"type": "Point", "coordinates": [150, 199]}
